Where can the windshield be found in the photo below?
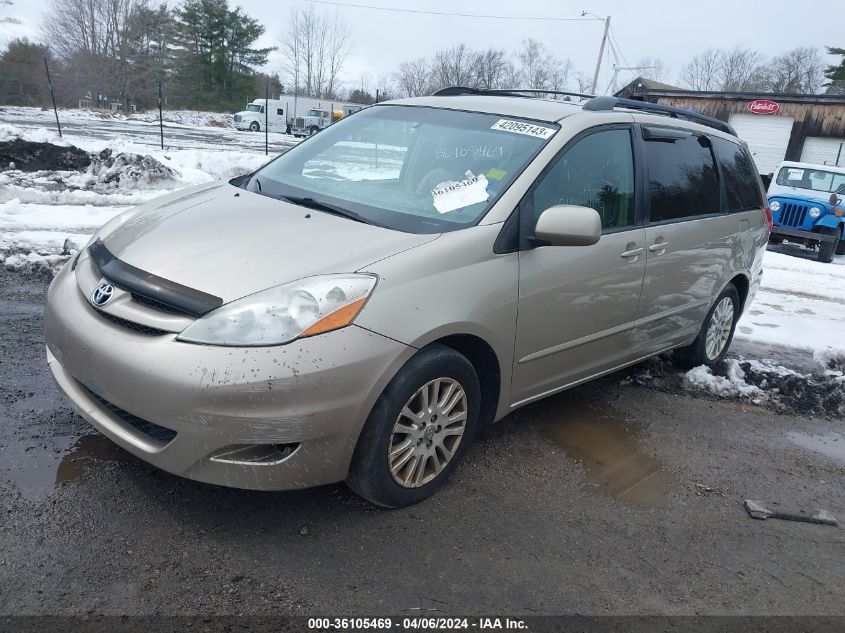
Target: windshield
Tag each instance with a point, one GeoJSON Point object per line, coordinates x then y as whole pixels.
{"type": "Point", "coordinates": [415, 169]}
{"type": "Point", "coordinates": [812, 179]}
{"type": "Point", "coordinates": [252, 107]}
{"type": "Point", "coordinates": [314, 113]}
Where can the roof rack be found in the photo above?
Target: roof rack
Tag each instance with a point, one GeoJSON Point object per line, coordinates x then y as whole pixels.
{"type": "Point", "coordinates": [453, 91]}
{"type": "Point", "coordinates": [602, 104]}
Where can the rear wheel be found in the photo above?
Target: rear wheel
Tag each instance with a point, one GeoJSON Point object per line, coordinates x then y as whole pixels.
{"type": "Point", "coordinates": [254, 126]}
{"type": "Point", "coordinates": [827, 249]}
{"type": "Point", "coordinates": [418, 430]}
{"type": "Point", "coordinates": [716, 334]}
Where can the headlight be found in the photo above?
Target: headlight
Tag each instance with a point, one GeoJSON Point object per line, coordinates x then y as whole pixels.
{"type": "Point", "coordinates": [775, 205]}
{"type": "Point", "coordinates": [282, 314]}
{"type": "Point", "coordinates": [815, 212]}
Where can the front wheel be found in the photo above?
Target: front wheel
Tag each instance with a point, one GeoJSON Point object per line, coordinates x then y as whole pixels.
{"type": "Point", "coordinates": [716, 334]}
{"type": "Point", "coordinates": [254, 126]}
{"type": "Point", "coordinates": [314, 129]}
{"type": "Point", "coordinates": [418, 430]}
{"type": "Point", "coordinates": [827, 249]}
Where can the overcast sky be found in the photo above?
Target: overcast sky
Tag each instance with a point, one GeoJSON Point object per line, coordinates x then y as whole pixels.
{"type": "Point", "coordinates": [673, 30]}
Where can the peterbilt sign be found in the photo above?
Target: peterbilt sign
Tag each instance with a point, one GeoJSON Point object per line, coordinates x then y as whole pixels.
{"type": "Point", "coordinates": [762, 106]}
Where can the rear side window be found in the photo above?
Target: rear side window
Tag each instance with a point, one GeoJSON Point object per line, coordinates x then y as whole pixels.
{"type": "Point", "coordinates": [598, 172]}
{"type": "Point", "coordinates": [682, 179]}
{"type": "Point", "coordinates": [740, 175]}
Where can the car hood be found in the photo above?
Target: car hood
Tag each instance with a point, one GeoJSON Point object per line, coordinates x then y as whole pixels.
{"type": "Point", "coordinates": [821, 200]}
{"type": "Point", "coordinates": [229, 242]}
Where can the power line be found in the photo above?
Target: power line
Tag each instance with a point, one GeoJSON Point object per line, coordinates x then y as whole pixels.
{"type": "Point", "coordinates": [454, 15]}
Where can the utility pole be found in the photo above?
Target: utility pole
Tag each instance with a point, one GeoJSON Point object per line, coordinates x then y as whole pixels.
{"type": "Point", "coordinates": [601, 53]}
{"type": "Point", "coordinates": [53, 97]}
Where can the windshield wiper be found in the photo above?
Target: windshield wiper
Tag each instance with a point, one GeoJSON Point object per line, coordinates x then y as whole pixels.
{"type": "Point", "coordinates": [324, 206]}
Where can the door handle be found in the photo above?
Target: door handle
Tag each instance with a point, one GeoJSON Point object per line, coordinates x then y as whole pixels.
{"type": "Point", "coordinates": [658, 247]}
{"type": "Point", "coordinates": [632, 253]}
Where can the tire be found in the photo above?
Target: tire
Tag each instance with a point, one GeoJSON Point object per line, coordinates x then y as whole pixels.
{"type": "Point", "coordinates": [827, 249]}
{"type": "Point", "coordinates": [775, 240]}
{"type": "Point", "coordinates": [700, 352]}
{"type": "Point", "coordinates": [370, 473]}
{"type": "Point", "coordinates": [840, 247]}
{"type": "Point", "coordinates": [254, 126]}
{"type": "Point", "coordinates": [314, 129]}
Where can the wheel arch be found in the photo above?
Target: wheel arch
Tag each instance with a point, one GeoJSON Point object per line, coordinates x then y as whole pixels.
{"type": "Point", "coordinates": [484, 360]}
{"type": "Point", "coordinates": [742, 285]}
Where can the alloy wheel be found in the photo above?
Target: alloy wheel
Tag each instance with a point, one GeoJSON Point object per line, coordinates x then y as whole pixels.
{"type": "Point", "coordinates": [427, 432]}
{"type": "Point", "coordinates": [719, 330]}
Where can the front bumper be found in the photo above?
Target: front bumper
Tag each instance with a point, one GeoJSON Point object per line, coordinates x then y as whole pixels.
{"type": "Point", "coordinates": [779, 231]}
{"type": "Point", "coordinates": [314, 394]}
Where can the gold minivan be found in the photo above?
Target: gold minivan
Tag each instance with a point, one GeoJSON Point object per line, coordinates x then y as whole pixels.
{"type": "Point", "coordinates": [355, 309]}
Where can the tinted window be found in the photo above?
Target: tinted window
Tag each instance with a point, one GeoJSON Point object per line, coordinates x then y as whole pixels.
{"type": "Point", "coordinates": [280, 111]}
{"type": "Point", "coordinates": [682, 178]}
{"type": "Point", "coordinates": [740, 176]}
{"type": "Point", "coordinates": [597, 172]}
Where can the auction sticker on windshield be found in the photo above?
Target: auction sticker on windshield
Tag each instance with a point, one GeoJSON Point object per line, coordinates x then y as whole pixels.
{"type": "Point", "coordinates": [451, 195]}
{"type": "Point", "coordinates": [520, 127]}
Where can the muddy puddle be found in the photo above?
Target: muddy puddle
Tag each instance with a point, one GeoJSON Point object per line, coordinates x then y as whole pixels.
{"type": "Point", "coordinates": [36, 471]}
{"type": "Point", "coordinates": [830, 444]}
{"type": "Point", "coordinates": [609, 449]}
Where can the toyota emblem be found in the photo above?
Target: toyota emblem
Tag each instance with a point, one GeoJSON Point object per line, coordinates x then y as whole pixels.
{"type": "Point", "coordinates": [102, 294]}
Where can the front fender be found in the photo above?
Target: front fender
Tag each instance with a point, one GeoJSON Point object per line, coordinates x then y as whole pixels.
{"type": "Point", "coordinates": [830, 221]}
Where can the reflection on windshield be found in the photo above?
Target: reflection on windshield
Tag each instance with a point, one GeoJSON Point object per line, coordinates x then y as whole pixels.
{"type": "Point", "coordinates": [416, 169]}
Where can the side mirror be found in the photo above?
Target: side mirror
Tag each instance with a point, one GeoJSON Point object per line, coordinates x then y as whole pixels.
{"type": "Point", "coordinates": [567, 225]}
{"type": "Point", "coordinates": [834, 199]}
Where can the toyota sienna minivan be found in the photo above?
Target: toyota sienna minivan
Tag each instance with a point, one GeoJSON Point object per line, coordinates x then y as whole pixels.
{"type": "Point", "coordinates": [357, 308]}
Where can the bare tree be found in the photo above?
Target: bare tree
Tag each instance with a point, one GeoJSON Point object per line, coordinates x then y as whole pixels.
{"type": "Point", "coordinates": [702, 71]}
{"type": "Point", "coordinates": [534, 64]}
{"type": "Point", "coordinates": [412, 78]}
{"type": "Point", "coordinates": [315, 49]}
{"type": "Point", "coordinates": [800, 71]}
{"type": "Point", "coordinates": [454, 66]}
{"type": "Point", "coordinates": [741, 69]}
{"type": "Point", "coordinates": [583, 82]}
{"type": "Point", "coordinates": [652, 68]}
{"type": "Point", "coordinates": [540, 69]}
{"type": "Point", "coordinates": [492, 69]}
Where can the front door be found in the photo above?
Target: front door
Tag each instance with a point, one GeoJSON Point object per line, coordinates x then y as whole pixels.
{"type": "Point", "coordinates": [578, 304]}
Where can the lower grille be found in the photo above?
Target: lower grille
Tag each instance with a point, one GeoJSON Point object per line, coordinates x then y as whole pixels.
{"type": "Point", "coordinates": [792, 214]}
{"type": "Point", "coordinates": [153, 431]}
{"type": "Point", "coordinates": [146, 330]}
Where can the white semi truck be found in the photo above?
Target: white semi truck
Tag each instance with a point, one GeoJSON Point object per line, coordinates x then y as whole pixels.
{"type": "Point", "coordinates": [254, 118]}
{"type": "Point", "coordinates": [288, 114]}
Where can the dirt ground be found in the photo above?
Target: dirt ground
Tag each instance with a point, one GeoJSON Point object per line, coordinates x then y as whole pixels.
{"type": "Point", "coordinates": [612, 498]}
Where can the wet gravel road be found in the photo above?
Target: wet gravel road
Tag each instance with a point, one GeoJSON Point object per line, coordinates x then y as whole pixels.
{"type": "Point", "coordinates": [611, 498]}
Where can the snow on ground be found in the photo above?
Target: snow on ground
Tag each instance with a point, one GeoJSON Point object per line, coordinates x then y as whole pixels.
{"type": "Point", "coordinates": [172, 118]}
{"type": "Point", "coordinates": [800, 304]}
{"type": "Point", "coordinates": [40, 210]}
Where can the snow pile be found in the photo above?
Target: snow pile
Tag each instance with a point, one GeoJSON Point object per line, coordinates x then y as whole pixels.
{"type": "Point", "coordinates": [731, 385]}
{"type": "Point", "coordinates": [186, 118]}
{"type": "Point", "coordinates": [37, 135]}
{"type": "Point", "coordinates": [831, 359]}
{"type": "Point", "coordinates": [127, 171]}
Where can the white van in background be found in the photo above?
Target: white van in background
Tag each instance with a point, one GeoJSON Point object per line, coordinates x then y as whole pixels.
{"type": "Point", "coordinates": [254, 117]}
